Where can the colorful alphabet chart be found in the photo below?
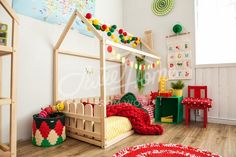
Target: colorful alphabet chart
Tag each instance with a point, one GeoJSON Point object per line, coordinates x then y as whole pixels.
{"type": "Point", "coordinates": [179, 57]}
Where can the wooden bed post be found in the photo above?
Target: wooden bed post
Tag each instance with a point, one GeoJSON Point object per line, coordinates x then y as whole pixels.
{"type": "Point", "coordinates": [13, 123]}
{"type": "Point", "coordinates": [122, 78]}
{"type": "Point", "coordinates": [103, 90]}
{"type": "Point", "coordinates": [0, 97]}
{"type": "Point", "coordinates": [65, 31]}
{"type": "Point", "coordinates": [55, 56]}
{"type": "Point", "coordinates": [55, 76]}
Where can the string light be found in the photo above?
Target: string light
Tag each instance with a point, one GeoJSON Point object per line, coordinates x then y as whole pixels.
{"type": "Point", "coordinates": [118, 56]}
{"type": "Point", "coordinates": [123, 60]}
{"type": "Point", "coordinates": [131, 64]}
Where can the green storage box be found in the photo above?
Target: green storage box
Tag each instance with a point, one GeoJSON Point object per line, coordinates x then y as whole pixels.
{"type": "Point", "coordinates": [169, 106]}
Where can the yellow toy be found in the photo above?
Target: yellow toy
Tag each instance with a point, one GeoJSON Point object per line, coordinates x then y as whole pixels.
{"type": "Point", "coordinates": [60, 106]}
{"type": "Point", "coordinates": [162, 84]}
{"type": "Point", "coordinates": [168, 119]}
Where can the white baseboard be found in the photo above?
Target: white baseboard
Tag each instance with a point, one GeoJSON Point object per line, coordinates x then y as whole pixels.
{"type": "Point", "coordinates": [218, 120]}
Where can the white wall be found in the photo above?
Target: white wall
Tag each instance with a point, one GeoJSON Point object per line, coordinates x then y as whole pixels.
{"type": "Point", "coordinates": [139, 17]}
{"type": "Point", "coordinates": [34, 67]}
{"type": "Point", "coordinates": [221, 83]}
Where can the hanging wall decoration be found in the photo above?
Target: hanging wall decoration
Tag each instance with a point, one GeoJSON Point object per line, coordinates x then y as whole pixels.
{"type": "Point", "coordinates": [140, 73]}
{"type": "Point", "coordinates": [162, 7]}
{"type": "Point", "coordinates": [179, 56]}
{"type": "Point", "coordinates": [177, 28]}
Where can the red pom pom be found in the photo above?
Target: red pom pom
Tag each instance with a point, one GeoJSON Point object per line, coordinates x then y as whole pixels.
{"type": "Point", "coordinates": [88, 16]}
{"type": "Point", "coordinates": [104, 27]}
{"type": "Point", "coordinates": [121, 31]}
{"type": "Point", "coordinates": [125, 33]}
{"type": "Point", "coordinates": [109, 49]}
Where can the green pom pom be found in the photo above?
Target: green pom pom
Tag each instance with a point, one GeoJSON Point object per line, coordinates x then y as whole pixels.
{"type": "Point", "coordinates": [177, 28]}
{"type": "Point", "coordinates": [121, 36]}
{"type": "Point", "coordinates": [114, 26]}
{"type": "Point", "coordinates": [109, 34]}
{"type": "Point", "coordinates": [134, 38]}
{"type": "Point", "coordinates": [98, 27]}
{"type": "Point", "coordinates": [128, 41]}
{"type": "Point", "coordinates": [112, 30]}
{"type": "Point", "coordinates": [122, 40]}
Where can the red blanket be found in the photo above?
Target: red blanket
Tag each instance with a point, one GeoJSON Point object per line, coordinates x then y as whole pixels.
{"type": "Point", "coordinates": [139, 119]}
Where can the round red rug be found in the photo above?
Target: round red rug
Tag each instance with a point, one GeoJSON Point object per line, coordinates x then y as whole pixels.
{"type": "Point", "coordinates": [163, 150]}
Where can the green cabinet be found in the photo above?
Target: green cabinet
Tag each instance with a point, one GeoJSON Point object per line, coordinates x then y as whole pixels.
{"type": "Point", "coordinates": [169, 106]}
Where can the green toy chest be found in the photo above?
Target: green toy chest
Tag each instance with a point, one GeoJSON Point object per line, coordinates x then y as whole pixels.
{"type": "Point", "coordinates": [48, 132]}
{"type": "Point", "coordinates": [167, 106]}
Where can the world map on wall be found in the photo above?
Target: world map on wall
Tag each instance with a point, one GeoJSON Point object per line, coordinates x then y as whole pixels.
{"type": "Point", "coordinates": [55, 11]}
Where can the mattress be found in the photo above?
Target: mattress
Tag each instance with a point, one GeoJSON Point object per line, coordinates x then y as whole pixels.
{"type": "Point", "coordinates": [116, 126]}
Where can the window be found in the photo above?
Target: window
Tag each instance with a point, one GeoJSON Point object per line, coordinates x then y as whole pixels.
{"type": "Point", "coordinates": [215, 31]}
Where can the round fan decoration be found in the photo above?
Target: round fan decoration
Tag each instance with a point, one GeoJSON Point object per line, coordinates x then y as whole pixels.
{"type": "Point", "coordinates": [162, 7]}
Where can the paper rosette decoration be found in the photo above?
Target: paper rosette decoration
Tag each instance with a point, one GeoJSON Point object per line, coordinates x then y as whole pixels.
{"type": "Point", "coordinates": [162, 7]}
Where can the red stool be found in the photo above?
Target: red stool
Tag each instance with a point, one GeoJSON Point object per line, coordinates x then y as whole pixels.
{"type": "Point", "coordinates": [197, 102]}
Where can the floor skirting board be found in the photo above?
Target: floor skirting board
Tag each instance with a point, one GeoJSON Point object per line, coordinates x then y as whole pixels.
{"type": "Point", "coordinates": [217, 120]}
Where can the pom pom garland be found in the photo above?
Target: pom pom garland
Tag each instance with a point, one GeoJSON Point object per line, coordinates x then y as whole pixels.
{"type": "Point", "coordinates": [104, 27]}
{"type": "Point", "coordinates": [121, 31]}
{"type": "Point", "coordinates": [108, 29]}
{"type": "Point", "coordinates": [109, 34]}
{"type": "Point", "coordinates": [95, 22]}
{"type": "Point", "coordinates": [116, 41]}
{"type": "Point", "coordinates": [134, 45]}
{"type": "Point", "coordinates": [113, 36]}
{"type": "Point", "coordinates": [114, 26]}
{"type": "Point", "coordinates": [123, 36]}
{"type": "Point", "coordinates": [88, 16]}
{"type": "Point", "coordinates": [112, 30]}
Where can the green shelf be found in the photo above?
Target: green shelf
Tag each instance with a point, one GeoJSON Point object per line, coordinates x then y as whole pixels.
{"type": "Point", "coordinates": [169, 106]}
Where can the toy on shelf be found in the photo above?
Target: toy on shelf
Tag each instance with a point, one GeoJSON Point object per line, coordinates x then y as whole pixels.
{"type": "Point", "coordinates": [178, 87]}
{"type": "Point", "coordinates": [46, 112]}
{"type": "Point", "coordinates": [163, 83]}
{"type": "Point", "coordinates": [167, 119]}
{"type": "Point", "coordinates": [3, 34]}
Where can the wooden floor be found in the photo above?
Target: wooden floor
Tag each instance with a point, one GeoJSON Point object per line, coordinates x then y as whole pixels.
{"type": "Point", "coordinates": [217, 138]}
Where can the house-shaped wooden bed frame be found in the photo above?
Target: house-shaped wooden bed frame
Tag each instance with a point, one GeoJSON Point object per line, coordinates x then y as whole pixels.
{"type": "Point", "coordinates": [87, 123]}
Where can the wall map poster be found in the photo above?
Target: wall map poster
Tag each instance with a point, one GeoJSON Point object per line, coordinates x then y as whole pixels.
{"type": "Point", "coordinates": [55, 11]}
{"type": "Point", "coordinates": [179, 57]}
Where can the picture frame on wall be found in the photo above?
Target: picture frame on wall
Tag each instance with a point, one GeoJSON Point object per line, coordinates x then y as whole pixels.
{"type": "Point", "coordinates": [179, 58]}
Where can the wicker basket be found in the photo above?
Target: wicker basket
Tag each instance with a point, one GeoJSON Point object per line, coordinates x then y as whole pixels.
{"type": "Point", "coordinates": [48, 132]}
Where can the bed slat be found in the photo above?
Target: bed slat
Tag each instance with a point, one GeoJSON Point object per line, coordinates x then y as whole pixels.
{"type": "Point", "coordinates": [88, 111]}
